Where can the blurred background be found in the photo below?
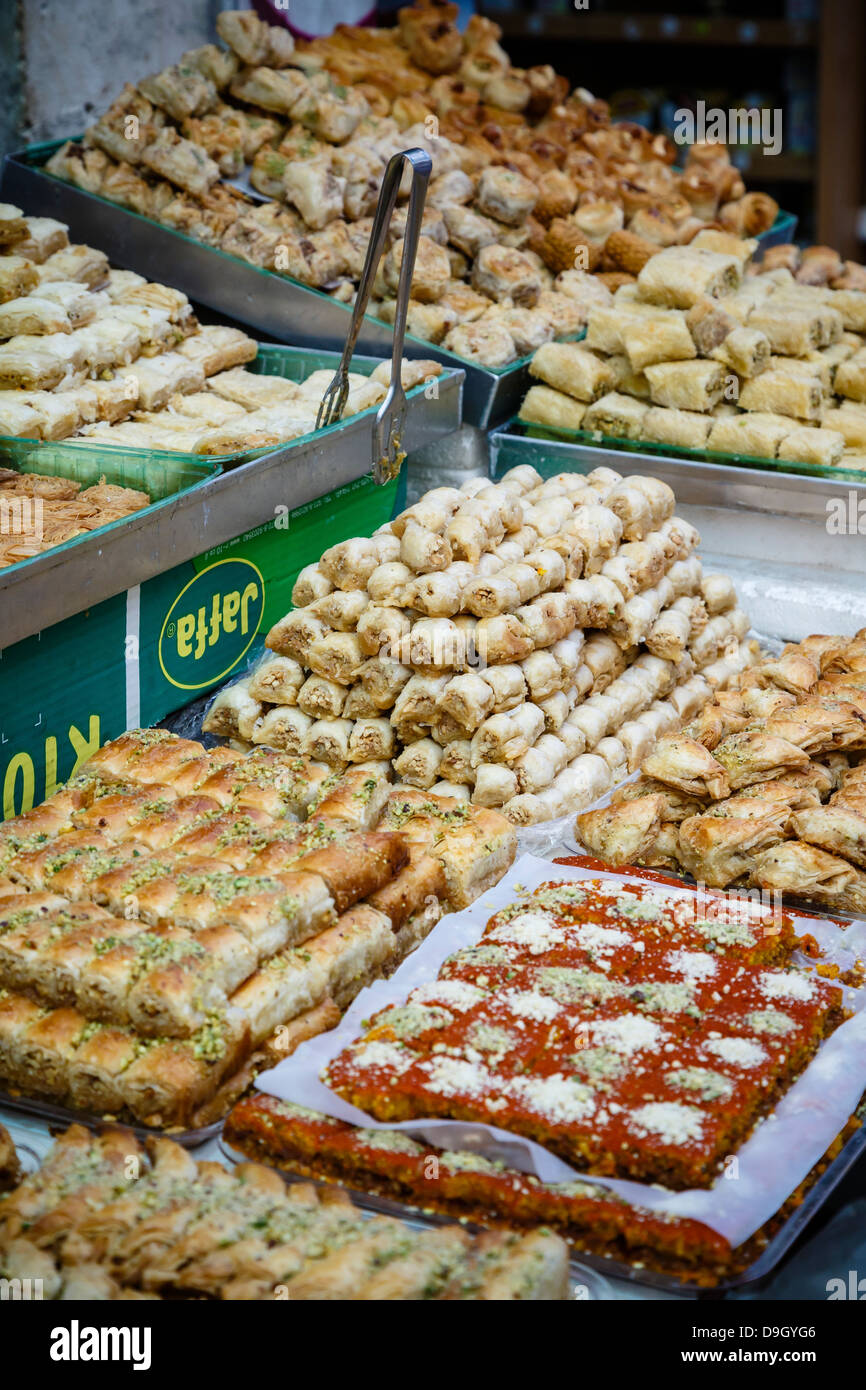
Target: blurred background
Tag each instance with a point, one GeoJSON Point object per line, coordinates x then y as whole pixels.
{"type": "Point", "coordinates": [62, 61]}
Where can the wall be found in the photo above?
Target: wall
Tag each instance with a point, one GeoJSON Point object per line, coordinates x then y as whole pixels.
{"type": "Point", "coordinates": [63, 61]}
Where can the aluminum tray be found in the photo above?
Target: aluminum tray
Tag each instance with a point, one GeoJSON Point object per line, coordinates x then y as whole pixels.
{"type": "Point", "coordinates": [585, 1282]}
{"type": "Point", "coordinates": [774, 1252]}
{"type": "Point", "coordinates": [628, 448]}
{"type": "Point", "coordinates": [269, 302]}
{"type": "Point", "coordinates": [55, 1115]}
{"type": "Point", "coordinates": [792, 544]}
{"type": "Point", "coordinates": [68, 579]}
{"type": "Point", "coordinates": [32, 1144]}
{"type": "Point", "coordinates": [783, 230]}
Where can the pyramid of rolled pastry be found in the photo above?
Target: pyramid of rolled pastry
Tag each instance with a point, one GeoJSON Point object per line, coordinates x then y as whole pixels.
{"type": "Point", "coordinates": [519, 644]}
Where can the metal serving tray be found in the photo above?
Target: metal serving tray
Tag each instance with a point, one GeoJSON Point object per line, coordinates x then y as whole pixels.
{"type": "Point", "coordinates": [70, 578]}
{"type": "Point", "coordinates": [792, 544]}
{"type": "Point", "coordinates": [783, 230]}
{"type": "Point", "coordinates": [585, 1283]}
{"type": "Point", "coordinates": [588, 439]}
{"type": "Point", "coordinates": [272, 303]}
{"type": "Point", "coordinates": [32, 1144]}
{"type": "Point", "coordinates": [55, 1115]}
{"type": "Point", "coordinates": [773, 1253]}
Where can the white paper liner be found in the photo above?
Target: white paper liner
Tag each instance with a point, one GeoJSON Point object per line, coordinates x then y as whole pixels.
{"type": "Point", "coordinates": [769, 1165]}
{"type": "Point", "coordinates": [547, 838]}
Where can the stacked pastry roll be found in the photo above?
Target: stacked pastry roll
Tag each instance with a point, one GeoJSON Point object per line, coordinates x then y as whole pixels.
{"type": "Point", "coordinates": [520, 645]}
{"type": "Point", "coordinates": [703, 352]}
{"type": "Point", "coordinates": [106, 1217]}
{"type": "Point", "coordinates": [92, 354]}
{"type": "Point", "coordinates": [766, 788]}
{"type": "Point", "coordinates": [172, 917]}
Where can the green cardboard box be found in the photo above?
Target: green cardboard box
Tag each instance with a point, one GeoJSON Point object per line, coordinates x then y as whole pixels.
{"type": "Point", "coordinates": [134, 658]}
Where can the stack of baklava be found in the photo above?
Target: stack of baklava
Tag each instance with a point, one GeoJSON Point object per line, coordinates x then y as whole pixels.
{"type": "Point", "coordinates": [90, 353]}
{"type": "Point", "coordinates": [766, 788]}
{"type": "Point", "coordinates": [697, 355]}
{"type": "Point", "coordinates": [172, 916]}
{"type": "Point", "coordinates": [531, 185]}
{"type": "Point", "coordinates": [521, 645]}
{"type": "Point", "coordinates": [83, 346]}
{"type": "Point", "coordinates": [106, 1218]}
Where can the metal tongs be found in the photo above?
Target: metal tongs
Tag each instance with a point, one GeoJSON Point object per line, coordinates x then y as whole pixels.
{"type": "Point", "coordinates": [388, 453]}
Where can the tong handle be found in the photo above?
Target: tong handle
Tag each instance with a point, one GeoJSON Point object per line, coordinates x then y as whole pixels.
{"type": "Point", "coordinates": [384, 211]}
{"type": "Point", "coordinates": [387, 454]}
{"type": "Point", "coordinates": [389, 419]}
{"type": "Point", "coordinates": [422, 167]}
{"type": "Point", "coordinates": [385, 449]}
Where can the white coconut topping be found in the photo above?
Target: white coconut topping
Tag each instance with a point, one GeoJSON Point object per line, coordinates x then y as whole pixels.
{"type": "Point", "coordinates": [558, 1098]}
{"type": "Point", "coordinates": [383, 1054]}
{"type": "Point", "coordinates": [595, 938]}
{"type": "Point", "coordinates": [668, 1120]}
{"type": "Point", "coordinates": [695, 965]}
{"type": "Point", "coordinates": [739, 1052]}
{"type": "Point", "coordinates": [628, 1034]}
{"type": "Point", "coordinates": [785, 984]}
{"type": "Point", "coordinates": [539, 1007]}
{"type": "Point", "coordinates": [453, 1076]}
{"type": "Point", "coordinates": [534, 930]}
{"type": "Point", "coordinates": [457, 994]}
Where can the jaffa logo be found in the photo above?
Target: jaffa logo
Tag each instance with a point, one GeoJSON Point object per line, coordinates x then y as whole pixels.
{"type": "Point", "coordinates": [211, 624]}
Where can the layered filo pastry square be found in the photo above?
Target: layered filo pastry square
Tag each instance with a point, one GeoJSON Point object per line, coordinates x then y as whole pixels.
{"type": "Point", "coordinates": [763, 789]}
{"type": "Point", "coordinates": [174, 916]}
